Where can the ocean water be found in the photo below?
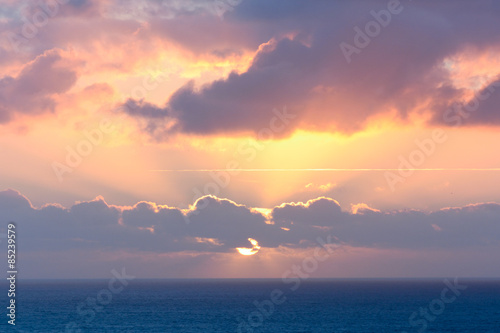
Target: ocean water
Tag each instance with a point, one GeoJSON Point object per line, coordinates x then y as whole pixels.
{"type": "Point", "coordinates": [333, 306]}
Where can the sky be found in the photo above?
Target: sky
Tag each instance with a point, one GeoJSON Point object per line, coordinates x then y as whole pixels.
{"type": "Point", "coordinates": [246, 138]}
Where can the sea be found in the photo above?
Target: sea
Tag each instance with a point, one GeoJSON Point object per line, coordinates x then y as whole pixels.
{"type": "Point", "coordinates": [255, 305]}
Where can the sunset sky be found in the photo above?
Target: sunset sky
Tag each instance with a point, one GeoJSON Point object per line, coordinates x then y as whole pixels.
{"type": "Point", "coordinates": [373, 123]}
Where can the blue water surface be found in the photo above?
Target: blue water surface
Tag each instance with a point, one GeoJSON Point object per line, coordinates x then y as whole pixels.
{"type": "Point", "coordinates": [235, 305]}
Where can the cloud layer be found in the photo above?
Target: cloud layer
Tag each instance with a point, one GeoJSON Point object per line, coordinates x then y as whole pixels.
{"type": "Point", "coordinates": [220, 225]}
{"type": "Point", "coordinates": [404, 66]}
{"type": "Point", "coordinates": [402, 69]}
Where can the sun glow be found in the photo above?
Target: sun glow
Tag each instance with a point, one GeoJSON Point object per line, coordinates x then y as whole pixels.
{"type": "Point", "coordinates": [249, 251]}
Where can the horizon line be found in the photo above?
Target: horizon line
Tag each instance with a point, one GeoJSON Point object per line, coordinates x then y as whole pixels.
{"type": "Point", "coordinates": [325, 170]}
{"type": "Point", "coordinates": [496, 278]}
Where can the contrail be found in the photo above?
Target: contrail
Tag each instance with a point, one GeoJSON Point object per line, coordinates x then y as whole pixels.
{"type": "Point", "coordinates": [326, 170]}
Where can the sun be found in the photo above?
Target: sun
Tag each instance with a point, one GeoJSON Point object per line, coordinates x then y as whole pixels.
{"type": "Point", "coordinates": [249, 251]}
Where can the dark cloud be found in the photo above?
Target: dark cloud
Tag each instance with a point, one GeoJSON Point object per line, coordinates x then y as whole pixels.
{"type": "Point", "coordinates": [299, 60]}
{"type": "Point", "coordinates": [143, 109]}
{"type": "Point", "coordinates": [220, 225]}
{"type": "Point", "coordinates": [482, 109]}
{"type": "Point", "coordinates": [320, 212]}
{"type": "Point", "coordinates": [32, 91]}
{"type": "Point", "coordinates": [400, 69]}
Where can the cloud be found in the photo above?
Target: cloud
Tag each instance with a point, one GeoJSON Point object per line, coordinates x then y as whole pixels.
{"type": "Point", "coordinates": [298, 61]}
{"type": "Point", "coordinates": [34, 89]}
{"type": "Point", "coordinates": [299, 64]}
{"type": "Point", "coordinates": [480, 109]}
{"type": "Point", "coordinates": [220, 225]}
{"type": "Point", "coordinates": [318, 212]}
